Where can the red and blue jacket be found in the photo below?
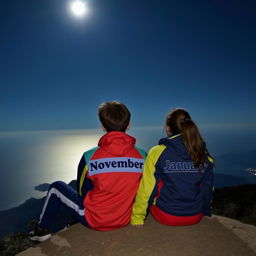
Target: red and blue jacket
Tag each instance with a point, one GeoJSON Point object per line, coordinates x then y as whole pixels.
{"type": "Point", "coordinates": [108, 178]}
{"type": "Point", "coordinates": [171, 182]}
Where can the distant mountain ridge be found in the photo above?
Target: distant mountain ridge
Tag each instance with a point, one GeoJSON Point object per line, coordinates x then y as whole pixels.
{"type": "Point", "coordinates": [17, 219]}
{"type": "Point", "coordinates": [42, 187]}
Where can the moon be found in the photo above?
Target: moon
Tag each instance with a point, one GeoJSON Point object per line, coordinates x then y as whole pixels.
{"type": "Point", "coordinates": [78, 8]}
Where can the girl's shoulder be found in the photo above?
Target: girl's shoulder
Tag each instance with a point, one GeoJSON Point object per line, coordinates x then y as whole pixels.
{"type": "Point", "coordinates": [156, 151]}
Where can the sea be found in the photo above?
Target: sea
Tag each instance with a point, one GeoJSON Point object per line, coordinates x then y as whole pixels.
{"type": "Point", "coordinates": [31, 158]}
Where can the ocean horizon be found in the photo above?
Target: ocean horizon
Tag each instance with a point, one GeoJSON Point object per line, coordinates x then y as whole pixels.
{"type": "Point", "coordinates": [31, 158]}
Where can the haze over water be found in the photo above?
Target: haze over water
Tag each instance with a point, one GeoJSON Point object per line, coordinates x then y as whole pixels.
{"type": "Point", "coordinates": [32, 158]}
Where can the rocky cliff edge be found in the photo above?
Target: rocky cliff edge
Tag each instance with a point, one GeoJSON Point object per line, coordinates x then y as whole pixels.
{"type": "Point", "coordinates": [222, 237]}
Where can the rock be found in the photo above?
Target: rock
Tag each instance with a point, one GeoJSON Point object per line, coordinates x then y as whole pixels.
{"type": "Point", "coordinates": [245, 231]}
{"type": "Point", "coordinates": [208, 238]}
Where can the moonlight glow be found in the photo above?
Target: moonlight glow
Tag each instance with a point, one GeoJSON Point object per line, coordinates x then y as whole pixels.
{"type": "Point", "coordinates": [78, 8]}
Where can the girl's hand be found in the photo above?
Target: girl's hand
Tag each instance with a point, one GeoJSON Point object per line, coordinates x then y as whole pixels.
{"type": "Point", "coordinates": [210, 217]}
{"type": "Point", "coordinates": [138, 225]}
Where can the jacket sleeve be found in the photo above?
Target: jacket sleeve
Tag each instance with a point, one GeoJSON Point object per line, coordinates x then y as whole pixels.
{"type": "Point", "coordinates": [81, 174]}
{"type": "Point", "coordinates": [146, 187]}
{"type": "Point", "coordinates": [84, 184]}
{"type": "Point", "coordinates": [207, 186]}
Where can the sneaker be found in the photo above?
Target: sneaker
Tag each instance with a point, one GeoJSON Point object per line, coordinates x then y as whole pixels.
{"type": "Point", "coordinates": [39, 234]}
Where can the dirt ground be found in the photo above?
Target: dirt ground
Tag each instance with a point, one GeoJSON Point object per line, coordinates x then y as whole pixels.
{"type": "Point", "coordinates": [208, 238]}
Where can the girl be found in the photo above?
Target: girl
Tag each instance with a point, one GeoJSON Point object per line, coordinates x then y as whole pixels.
{"type": "Point", "coordinates": [177, 182]}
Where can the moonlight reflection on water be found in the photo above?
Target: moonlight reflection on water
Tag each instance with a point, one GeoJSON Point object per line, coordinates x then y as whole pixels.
{"type": "Point", "coordinates": [32, 158]}
{"type": "Point", "coordinates": [29, 159]}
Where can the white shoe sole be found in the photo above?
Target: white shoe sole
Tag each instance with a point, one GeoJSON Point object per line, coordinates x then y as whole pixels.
{"type": "Point", "coordinates": [40, 238]}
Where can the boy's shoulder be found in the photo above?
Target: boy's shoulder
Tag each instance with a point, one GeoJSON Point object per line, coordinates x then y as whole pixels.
{"type": "Point", "coordinates": [89, 153]}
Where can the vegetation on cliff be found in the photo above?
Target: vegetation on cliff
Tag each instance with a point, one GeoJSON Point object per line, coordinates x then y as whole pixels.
{"type": "Point", "coordinates": [236, 202]}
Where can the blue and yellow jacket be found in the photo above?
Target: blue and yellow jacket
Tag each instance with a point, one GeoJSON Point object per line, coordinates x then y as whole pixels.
{"type": "Point", "coordinates": [172, 183]}
{"type": "Point", "coordinates": [108, 178]}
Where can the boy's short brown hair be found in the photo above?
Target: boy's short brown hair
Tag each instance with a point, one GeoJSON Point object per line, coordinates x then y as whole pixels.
{"type": "Point", "coordinates": [114, 116]}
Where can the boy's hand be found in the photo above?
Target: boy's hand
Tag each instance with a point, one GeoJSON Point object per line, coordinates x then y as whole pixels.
{"type": "Point", "coordinates": [137, 225]}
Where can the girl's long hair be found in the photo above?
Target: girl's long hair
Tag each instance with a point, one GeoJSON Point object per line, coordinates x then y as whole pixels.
{"type": "Point", "coordinates": [179, 121]}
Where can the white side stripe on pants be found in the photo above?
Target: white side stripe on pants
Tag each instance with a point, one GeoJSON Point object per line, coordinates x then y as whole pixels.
{"type": "Point", "coordinates": [63, 199]}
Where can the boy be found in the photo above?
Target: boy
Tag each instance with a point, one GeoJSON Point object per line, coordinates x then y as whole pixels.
{"type": "Point", "coordinates": [108, 177]}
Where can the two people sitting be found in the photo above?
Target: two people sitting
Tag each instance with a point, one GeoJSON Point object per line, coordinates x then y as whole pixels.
{"type": "Point", "coordinates": [118, 184]}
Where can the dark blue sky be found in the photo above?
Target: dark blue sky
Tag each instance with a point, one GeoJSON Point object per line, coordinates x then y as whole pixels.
{"type": "Point", "coordinates": [152, 55]}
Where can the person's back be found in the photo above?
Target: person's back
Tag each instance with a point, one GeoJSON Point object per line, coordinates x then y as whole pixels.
{"type": "Point", "coordinates": [108, 177]}
{"type": "Point", "coordinates": [177, 179]}
{"type": "Point", "coordinates": [114, 169]}
{"type": "Point", "coordinates": [182, 191]}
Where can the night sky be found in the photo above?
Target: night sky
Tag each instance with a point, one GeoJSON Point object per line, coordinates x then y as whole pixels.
{"type": "Point", "coordinates": [56, 69]}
